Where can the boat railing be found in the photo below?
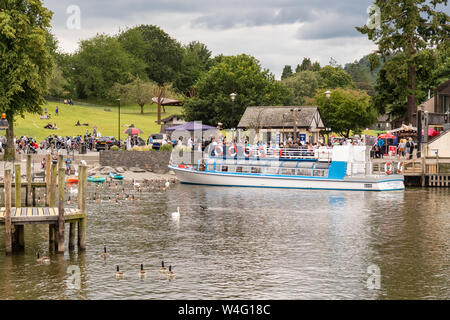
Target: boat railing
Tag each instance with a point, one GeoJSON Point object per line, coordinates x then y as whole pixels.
{"type": "Point", "coordinates": [261, 152]}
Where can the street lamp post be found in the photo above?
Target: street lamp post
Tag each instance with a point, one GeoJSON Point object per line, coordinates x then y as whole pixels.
{"type": "Point", "coordinates": [119, 122]}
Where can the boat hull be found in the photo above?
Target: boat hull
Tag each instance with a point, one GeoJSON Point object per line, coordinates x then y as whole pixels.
{"type": "Point", "coordinates": [366, 183]}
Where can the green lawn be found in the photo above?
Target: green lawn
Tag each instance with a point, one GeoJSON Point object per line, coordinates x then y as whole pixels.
{"type": "Point", "coordinates": [106, 121]}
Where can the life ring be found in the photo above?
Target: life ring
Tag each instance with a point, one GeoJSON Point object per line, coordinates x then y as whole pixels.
{"type": "Point", "coordinates": [235, 151]}
{"type": "Point", "coordinates": [400, 167]}
{"type": "Point", "coordinates": [388, 167]}
{"type": "Point", "coordinates": [249, 154]}
{"type": "Point", "coordinates": [262, 155]}
{"type": "Point", "coordinates": [221, 151]}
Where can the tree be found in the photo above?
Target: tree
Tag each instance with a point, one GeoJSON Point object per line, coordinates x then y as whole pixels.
{"type": "Point", "coordinates": [240, 74]}
{"type": "Point", "coordinates": [57, 84]}
{"type": "Point", "coordinates": [287, 72]}
{"type": "Point", "coordinates": [391, 96]}
{"type": "Point", "coordinates": [408, 27]}
{"type": "Point", "coordinates": [196, 60]}
{"type": "Point", "coordinates": [335, 77]}
{"type": "Point", "coordinates": [315, 66]}
{"type": "Point", "coordinates": [137, 91]}
{"type": "Point", "coordinates": [306, 65]}
{"type": "Point", "coordinates": [161, 54]}
{"type": "Point", "coordinates": [360, 76]}
{"type": "Point", "coordinates": [25, 60]}
{"type": "Point", "coordinates": [347, 110]}
{"type": "Point", "coordinates": [301, 86]}
{"type": "Point", "coordinates": [100, 63]}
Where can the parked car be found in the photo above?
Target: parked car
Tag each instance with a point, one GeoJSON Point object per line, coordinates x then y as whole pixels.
{"type": "Point", "coordinates": [105, 143]}
{"type": "Point", "coordinates": [157, 139]}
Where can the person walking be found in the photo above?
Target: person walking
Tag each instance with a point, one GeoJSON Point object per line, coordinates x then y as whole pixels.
{"type": "Point", "coordinates": [410, 148]}
{"type": "Point", "coordinates": [56, 111]}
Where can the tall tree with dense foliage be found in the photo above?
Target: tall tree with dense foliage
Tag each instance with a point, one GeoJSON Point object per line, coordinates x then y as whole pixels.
{"type": "Point", "coordinates": [287, 72]}
{"type": "Point", "coordinates": [408, 27]}
{"type": "Point", "coordinates": [99, 63]}
{"type": "Point", "coordinates": [360, 76]}
{"type": "Point", "coordinates": [25, 61]}
{"type": "Point", "coordinates": [391, 96]}
{"type": "Point", "coordinates": [346, 110]}
{"type": "Point", "coordinates": [240, 74]}
{"type": "Point", "coordinates": [302, 85]}
{"type": "Point", "coordinates": [161, 54]}
{"type": "Point", "coordinates": [335, 77]}
{"type": "Point", "coordinates": [196, 60]}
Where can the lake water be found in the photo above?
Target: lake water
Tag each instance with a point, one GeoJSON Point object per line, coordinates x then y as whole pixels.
{"type": "Point", "coordinates": [248, 244]}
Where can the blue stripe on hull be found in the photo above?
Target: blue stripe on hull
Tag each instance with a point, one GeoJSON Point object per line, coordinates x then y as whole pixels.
{"type": "Point", "coordinates": [221, 185]}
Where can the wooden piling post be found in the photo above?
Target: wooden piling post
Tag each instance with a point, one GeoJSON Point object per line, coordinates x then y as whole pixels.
{"type": "Point", "coordinates": [8, 231]}
{"type": "Point", "coordinates": [51, 191]}
{"type": "Point", "coordinates": [54, 176]}
{"type": "Point", "coordinates": [18, 185]}
{"type": "Point", "coordinates": [72, 235]}
{"type": "Point", "coordinates": [82, 222]}
{"type": "Point", "coordinates": [18, 234]}
{"type": "Point", "coordinates": [60, 161]}
{"type": "Point", "coordinates": [48, 163]}
{"type": "Point", "coordinates": [61, 221]}
{"type": "Point", "coordinates": [29, 180]}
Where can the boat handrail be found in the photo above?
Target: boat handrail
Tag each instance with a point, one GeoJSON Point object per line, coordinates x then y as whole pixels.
{"type": "Point", "coordinates": [260, 152]}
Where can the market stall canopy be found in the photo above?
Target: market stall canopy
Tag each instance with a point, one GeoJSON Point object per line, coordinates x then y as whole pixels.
{"type": "Point", "coordinates": [387, 136]}
{"type": "Point", "coordinates": [191, 126]}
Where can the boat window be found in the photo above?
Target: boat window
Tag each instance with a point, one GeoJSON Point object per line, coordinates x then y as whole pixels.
{"type": "Point", "coordinates": [257, 169]}
{"type": "Point", "coordinates": [224, 168]}
{"type": "Point", "coordinates": [245, 169]}
{"type": "Point", "coordinates": [304, 172]}
{"type": "Point", "coordinates": [288, 171]}
{"type": "Point", "coordinates": [272, 170]}
{"type": "Point", "coordinates": [320, 173]}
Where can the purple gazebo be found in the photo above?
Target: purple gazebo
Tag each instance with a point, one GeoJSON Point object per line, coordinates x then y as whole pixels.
{"type": "Point", "coordinates": [191, 126]}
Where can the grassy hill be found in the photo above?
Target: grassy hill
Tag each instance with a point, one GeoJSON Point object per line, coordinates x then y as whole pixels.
{"type": "Point", "coordinates": [107, 121]}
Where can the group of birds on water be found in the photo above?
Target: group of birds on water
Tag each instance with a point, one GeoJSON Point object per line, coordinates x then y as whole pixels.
{"type": "Point", "coordinates": [119, 274]}
{"type": "Point", "coordinates": [142, 272]}
{"type": "Point", "coordinates": [124, 193]}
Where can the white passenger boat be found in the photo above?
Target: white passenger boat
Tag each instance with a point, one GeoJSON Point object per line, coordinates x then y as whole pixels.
{"type": "Point", "coordinates": [340, 168]}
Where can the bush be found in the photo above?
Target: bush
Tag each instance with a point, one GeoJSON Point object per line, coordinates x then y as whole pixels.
{"type": "Point", "coordinates": [166, 147]}
{"type": "Point", "coordinates": [114, 148]}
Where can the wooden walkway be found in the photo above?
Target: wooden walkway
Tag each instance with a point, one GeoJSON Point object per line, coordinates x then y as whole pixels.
{"type": "Point", "coordinates": [45, 215]}
{"type": "Point", "coordinates": [53, 214]}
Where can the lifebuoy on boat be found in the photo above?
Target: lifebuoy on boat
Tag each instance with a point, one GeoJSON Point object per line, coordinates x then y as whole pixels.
{"type": "Point", "coordinates": [218, 154]}
{"type": "Point", "coordinates": [400, 167]}
{"type": "Point", "coordinates": [388, 167]}
{"type": "Point", "coordinates": [249, 154]}
{"type": "Point", "coordinates": [261, 154]}
{"type": "Point", "coordinates": [230, 150]}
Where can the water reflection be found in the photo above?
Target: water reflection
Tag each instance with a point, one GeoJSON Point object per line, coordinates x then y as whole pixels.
{"type": "Point", "coordinates": [246, 243]}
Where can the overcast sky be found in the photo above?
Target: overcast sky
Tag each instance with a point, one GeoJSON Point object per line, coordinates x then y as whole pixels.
{"type": "Point", "coordinates": [276, 32]}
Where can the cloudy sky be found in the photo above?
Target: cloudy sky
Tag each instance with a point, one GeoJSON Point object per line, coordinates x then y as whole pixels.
{"type": "Point", "coordinates": [277, 32]}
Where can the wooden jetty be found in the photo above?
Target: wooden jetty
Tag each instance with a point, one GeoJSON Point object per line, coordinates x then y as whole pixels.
{"type": "Point", "coordinates": [422, 172]}
{"type": "Point", "coordinates": [53, 214]}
